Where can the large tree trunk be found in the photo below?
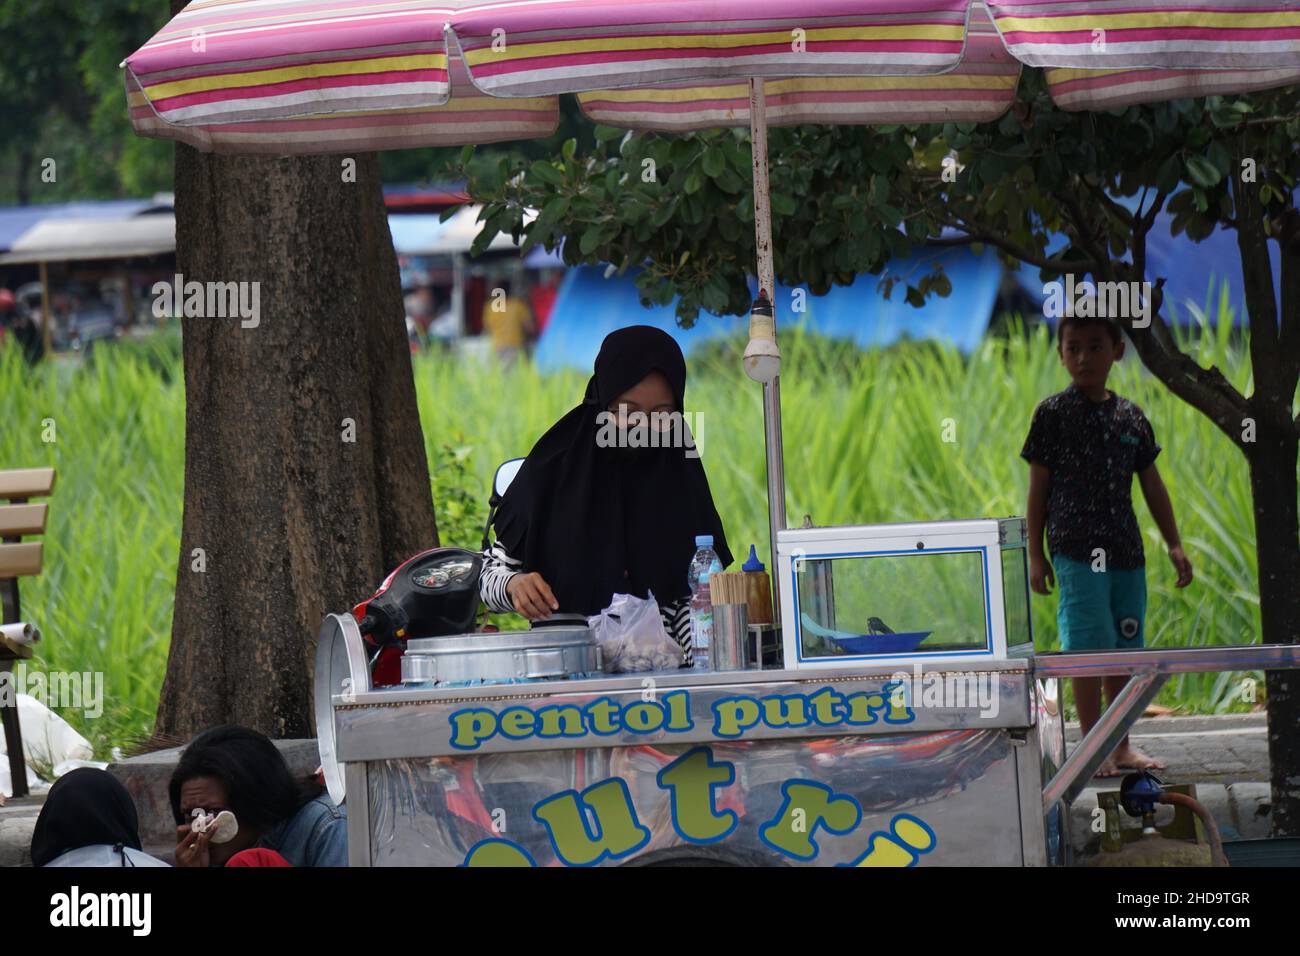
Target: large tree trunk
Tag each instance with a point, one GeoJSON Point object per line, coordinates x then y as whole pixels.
{"type": "Point", "coordinates": [1277, 545]}
{"type": "Point", "coordinates": [285, 518]}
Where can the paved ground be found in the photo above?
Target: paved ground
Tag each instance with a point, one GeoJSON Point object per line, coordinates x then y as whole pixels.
{"type": "Point", "coordinates": [1226, 757]}
{"type": "Point", "coordinates": [17, 819]}
{"type": "Point", "coordinates": [1229, 749]}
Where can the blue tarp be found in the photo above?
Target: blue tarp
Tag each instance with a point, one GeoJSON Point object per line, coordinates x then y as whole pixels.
{"type": "Point", "coordinates": [590, 306]}
{"type": "Point", "coordinates": [1195, 272]}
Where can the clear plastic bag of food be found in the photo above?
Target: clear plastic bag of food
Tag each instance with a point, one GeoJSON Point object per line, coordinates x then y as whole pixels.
{"type": "Point", "coordinates": [631, 636]}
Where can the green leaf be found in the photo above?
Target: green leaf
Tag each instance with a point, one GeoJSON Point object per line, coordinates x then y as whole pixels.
{"type": "Point", "coordinates": [591, 240]}
{"type": "Point", "coordinates": [1167, 177]}
{"type": "Point", "coordinates": [1202, 172]}
{"type": "Point", "coordinates": [729, 182]}
{"type": "Point", "coordinates": [545, 172]}
{"type": "Point", "coordinates": [1218, 155]}
{"type": "Point", "coordinates": [783, 204]}
{"type": "Point", "coordinates": [604, 134]}
{"type": "Point", "coordinates": [569, 149]}
{"type": "Point", "coordinates": [466, 153]}
{"type": "Point", "coordinates": [694, 180]}
{"type": "Point", "coordinates": [825, 233]}
{"type": "Point", "coordinates": [714, 162]}
{"type": "Point", "coordinates": [554, 209]}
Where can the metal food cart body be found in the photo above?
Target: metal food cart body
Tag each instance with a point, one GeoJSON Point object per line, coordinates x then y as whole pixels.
{"type": "Point", "coordinates": [936, 742]}
{"type": "Point", "coordinates": [792, 767]}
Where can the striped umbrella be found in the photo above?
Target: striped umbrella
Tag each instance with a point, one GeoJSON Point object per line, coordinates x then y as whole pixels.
{"type": "Point", "coordinates": [311, 76]}
{"type": "Point", "coordinates": [328, 76]}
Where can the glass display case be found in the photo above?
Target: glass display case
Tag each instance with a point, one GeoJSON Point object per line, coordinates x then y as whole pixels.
{"type": "Point", "coordinates": [926, 591]}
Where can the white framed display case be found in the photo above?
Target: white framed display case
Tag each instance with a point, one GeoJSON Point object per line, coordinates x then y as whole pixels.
{"type": "Point", "coordinates": [931, 591]}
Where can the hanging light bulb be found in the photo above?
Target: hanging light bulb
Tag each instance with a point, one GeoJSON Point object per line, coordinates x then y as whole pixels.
{"type": "Point", "coordinates": [762, 355]}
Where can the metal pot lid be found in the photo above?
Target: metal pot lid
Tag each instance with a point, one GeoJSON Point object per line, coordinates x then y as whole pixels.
{"type": "Point", "coordinates": [559, 620]}
{"type": "Point", "coordinates": [341, 668]}
{"type": "Point", "coordinates": [556, 636]}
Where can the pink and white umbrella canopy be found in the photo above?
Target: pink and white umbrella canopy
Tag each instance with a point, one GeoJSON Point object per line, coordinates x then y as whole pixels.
{"type": "Point", "coordinates": [316, 76]}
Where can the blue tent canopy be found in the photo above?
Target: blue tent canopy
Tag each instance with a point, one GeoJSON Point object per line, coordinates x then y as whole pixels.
{"type": "Point", "coordinates": [1196, 273]}
{"type": "Point", "coordinates": [590, 306]}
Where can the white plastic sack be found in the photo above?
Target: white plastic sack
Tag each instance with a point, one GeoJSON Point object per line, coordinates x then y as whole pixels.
{"type": "Point", "coordinates": [631, 636]}
{"type": "Point", "coordinates": [48, 740]}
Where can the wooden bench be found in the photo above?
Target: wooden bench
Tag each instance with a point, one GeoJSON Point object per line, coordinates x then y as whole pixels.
{"type": "Point", "coordinates": [18, 558]}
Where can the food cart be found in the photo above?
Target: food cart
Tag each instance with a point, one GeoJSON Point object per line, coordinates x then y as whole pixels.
{"type": "Point", "coordinates": [909, 722]}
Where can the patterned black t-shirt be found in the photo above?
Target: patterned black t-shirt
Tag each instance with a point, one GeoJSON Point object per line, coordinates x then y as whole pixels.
{"type": "Point", "coordinates": [1092, 449]}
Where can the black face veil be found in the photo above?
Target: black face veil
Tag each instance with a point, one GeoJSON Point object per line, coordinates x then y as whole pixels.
{"type": "Point", "coordinates": [85, 807]}
{"type": "Point", "coordinates": [597, 521]}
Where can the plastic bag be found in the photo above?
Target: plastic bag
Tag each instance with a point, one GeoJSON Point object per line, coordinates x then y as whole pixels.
{"type": "Point", "coordinates": [631, 636]}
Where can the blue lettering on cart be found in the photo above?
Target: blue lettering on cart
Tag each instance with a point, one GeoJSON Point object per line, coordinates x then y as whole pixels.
{"type": "Point", "coordinates": [601, 822]}
{"type": "Point", "coordinates": [732, 716]}
{"type": "Point", "coordinates": [907, 839]}
{"type": "Point", "coordinates": [807, 806]}
{"type": "Point", "coordinates": [691, 781]}
{"type": "Point", "coordinates": [560, 720]}
{"type": "Point", "coordinates": [597, 824]}
{"type": "Point", "coordinates": [517, 722]}
{"type": "Point", "coordinates": [469, 728]}
{"type": "Point", "coordinates": [496, 852]}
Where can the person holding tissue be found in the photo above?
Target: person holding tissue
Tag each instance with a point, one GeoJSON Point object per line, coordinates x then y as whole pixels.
{"type": "Point", "coordinates": [611, 497]}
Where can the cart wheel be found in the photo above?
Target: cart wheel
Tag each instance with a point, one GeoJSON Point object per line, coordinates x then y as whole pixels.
{"type": "Point", "coordinates": [703, 856]}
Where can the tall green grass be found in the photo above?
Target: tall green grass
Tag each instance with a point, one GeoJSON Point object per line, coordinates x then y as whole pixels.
{"type": "Point", "coordinates": [104, 598]}
{"type": "Point", "coordinates": [864, 443]}
{"type": "Point", "coordinates": [864, 438]}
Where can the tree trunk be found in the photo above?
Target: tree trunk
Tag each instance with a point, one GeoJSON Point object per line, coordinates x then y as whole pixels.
{"type": "Point", "coordinates": [1277, 546]}
{"type": "Point", "coordinates": [305, 471]}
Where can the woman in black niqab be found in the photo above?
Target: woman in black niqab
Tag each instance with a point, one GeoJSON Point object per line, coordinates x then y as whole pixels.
{"type": "Point", "coordinates": [85, 807]}
{"type": "Point", "coordinates": [598, 521]}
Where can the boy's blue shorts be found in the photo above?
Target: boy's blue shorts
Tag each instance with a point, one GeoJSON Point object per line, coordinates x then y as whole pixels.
{"type": "Point", "coordinates": [1099, 610]}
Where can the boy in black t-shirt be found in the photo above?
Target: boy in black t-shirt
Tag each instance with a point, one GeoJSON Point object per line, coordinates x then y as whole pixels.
{"type": "Point", "coordinates": [1084, 446]}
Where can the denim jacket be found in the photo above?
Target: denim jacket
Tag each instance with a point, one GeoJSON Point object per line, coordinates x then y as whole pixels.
{"type": "Point", "coordinates": [317, 835]}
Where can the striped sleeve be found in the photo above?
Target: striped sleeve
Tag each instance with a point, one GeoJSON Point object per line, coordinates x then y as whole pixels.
{"type": "Point", "coordinates": [677, 622]}
{"type": "Point", "coordinates": [498, 568]}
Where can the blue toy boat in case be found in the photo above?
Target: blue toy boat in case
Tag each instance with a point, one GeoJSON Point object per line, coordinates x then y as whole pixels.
{"type": "Point", "coordinates": [885, 642]}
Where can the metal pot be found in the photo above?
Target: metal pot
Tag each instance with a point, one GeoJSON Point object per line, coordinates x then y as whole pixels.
{"type": "Point", "coordinates": [509, 656]}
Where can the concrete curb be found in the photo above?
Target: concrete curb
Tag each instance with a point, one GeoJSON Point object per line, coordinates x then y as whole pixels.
{"type": "Point", "coordinates": [1149, 726]}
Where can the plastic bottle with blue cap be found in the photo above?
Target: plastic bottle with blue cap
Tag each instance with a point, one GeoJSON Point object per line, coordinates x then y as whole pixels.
{"type": "Point", "coordinates": [704, 563]}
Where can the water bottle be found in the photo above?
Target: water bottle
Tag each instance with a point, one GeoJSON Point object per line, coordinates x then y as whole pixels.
{"type": "Point", "coordinates": [704, 563]}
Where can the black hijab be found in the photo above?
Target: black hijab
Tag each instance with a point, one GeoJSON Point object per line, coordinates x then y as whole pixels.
{"type": "Point", "coordinates": [582, 515]}
{"type": "Point", "coordinates": [85, 807]}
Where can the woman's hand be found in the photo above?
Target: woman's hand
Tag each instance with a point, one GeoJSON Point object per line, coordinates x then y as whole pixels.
{"type": "Point", "coordinates": [532, 596]}
{"type": "Point", "coordinates": [192, 847]}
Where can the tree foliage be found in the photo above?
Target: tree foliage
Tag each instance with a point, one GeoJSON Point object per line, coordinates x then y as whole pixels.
{"type": "Point", "coordinates": [61, 95]}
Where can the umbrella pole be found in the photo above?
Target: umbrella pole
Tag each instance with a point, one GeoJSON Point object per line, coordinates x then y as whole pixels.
{"type": "Point", "coordinates": [762, 330]}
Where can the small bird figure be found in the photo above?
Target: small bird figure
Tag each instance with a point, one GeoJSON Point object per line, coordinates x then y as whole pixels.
{"type": "Point", "coordinates": [876, 626]}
